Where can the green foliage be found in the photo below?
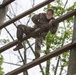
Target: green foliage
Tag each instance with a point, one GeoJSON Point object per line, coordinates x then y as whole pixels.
{"type": "Point", "coordinates": [2, 41]}
{"type": "Point", "coordinates": [1, 62]}
{"type": "Point", "coordinates": [63, 35]}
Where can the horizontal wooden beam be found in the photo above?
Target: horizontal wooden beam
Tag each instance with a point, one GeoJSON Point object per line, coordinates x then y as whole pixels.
{"type": "Point", "coordinates": [26, 13]}
{"type": "Point", "coordinates": [42, 59]}
{"type": "Point", "coordinates": [60, 19]}
{"type": "Point", "coordinates": [6, 3]}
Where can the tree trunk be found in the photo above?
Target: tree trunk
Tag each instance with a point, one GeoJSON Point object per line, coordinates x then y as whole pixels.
{"type": "Point", "coordinates": [3, 12]}
{"type": "Point", "coordinates": [72, 59]}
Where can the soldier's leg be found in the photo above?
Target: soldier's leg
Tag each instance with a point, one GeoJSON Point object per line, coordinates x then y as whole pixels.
{"type": "Point", "coordinates": [38, 42]}
{"type": "Point", "coordinates": [19, 32]}
{"type": "Point", "coordinates": [21, 29]}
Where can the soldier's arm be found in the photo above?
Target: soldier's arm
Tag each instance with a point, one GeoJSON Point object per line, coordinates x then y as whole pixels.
{"type": "Point", "coordinates": [53, 27]}
{"type": "Point", "coordinates": [36, 18]}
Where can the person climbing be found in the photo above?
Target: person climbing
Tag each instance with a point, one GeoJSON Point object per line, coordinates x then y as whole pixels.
{"type": "Point", "coordinates": [40, 20]}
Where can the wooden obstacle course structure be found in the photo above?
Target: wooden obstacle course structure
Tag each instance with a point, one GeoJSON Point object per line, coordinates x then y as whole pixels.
{"type": "Point", "coordinates": [26, 13]}
{"type": "Point", "coordinates": [58, 20]}
{"type": "Point", "coordinates": [5, 4]}
{"type": "Point", "coordinates": [43, 58]}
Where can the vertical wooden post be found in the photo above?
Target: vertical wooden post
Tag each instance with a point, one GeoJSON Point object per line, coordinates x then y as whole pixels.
{"type": "Point", "coordinates": [72, 59]}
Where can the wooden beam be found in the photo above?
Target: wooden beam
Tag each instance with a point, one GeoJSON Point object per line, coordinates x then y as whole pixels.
{"type": "Point", "coordinates": [42, 59]}
{"type": "Point", "coordinates": [6, 3]}
{"type": "Point", "coordinates": [26, 13]}
{"type": "Point", "coordinates": [64, 17]}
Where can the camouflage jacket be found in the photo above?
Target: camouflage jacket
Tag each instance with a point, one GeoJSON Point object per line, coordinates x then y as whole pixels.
{"type": "Point", "coordinates": [41, 19]}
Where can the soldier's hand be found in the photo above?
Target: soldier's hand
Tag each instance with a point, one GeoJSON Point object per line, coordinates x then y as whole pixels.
{"type": "Point", "coordinates": [50, 22]}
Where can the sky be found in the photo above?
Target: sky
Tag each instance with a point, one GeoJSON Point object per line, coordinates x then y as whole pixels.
{"type": "Point", "coordinates": [22, 5]}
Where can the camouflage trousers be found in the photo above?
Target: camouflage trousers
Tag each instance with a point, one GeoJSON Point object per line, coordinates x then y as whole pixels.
{"type": "Point", "coordinates": [22, 29]}
{"type": "Point", "coordinates": [38, 42]}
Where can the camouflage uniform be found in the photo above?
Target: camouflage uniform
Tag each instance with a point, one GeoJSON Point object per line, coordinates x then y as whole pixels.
{"type": "Point", "coordinates": [39, 20]}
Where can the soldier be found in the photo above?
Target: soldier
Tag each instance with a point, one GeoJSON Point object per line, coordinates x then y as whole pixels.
{"type": "Point", "coordinates": [39, 20]}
